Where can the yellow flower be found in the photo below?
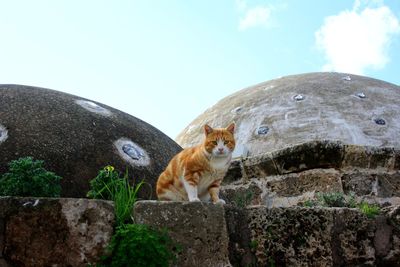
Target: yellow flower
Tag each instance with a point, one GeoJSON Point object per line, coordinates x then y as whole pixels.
{"type": "Point", "coordinates": [109, 168]}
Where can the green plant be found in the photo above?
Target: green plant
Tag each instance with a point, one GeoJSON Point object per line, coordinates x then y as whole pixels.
{"type": "Point", "coordinates": [253, 244]}
{"type": "Point", "coordinates": [369, 210]}
{"type": "Point", "coordinates": [351, 200]}
{"type": "Point", "coordinates": [28, 178]}
{"type": "Point", "coordinates": [131, 244]}
{"type": "Point", "coordinates": [332, 199]}
{"type": "Point", "coordinates": [342, 200]}
{"type": "Point", "coordinates": [309, 203]}
{"type": "Point", "coordinates": [101, 186]}
{"type": "Point", "coordinates": [138, 245]}
{"type": "Point", "coordinates": [110, 186]}
{"type": "Point", "coordinates": [243, 199]}
{"type": "Point", "coordinates": [124, 197]}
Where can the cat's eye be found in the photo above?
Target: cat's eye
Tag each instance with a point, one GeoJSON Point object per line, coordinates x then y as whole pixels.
{"type": "Point", "coordinates": [226, 142]}
{"type": "Point", "coordinates": [215, 143]}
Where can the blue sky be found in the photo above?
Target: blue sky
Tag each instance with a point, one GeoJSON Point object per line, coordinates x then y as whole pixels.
{"type": "Point", "coordinates": [166, 62]}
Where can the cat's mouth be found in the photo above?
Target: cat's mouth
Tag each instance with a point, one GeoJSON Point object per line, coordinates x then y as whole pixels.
{"type": "Point", "coordinates": [220, 154]}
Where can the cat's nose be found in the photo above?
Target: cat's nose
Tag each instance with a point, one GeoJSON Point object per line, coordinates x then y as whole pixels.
{"type": "Point", "coordinates": [221, 149]}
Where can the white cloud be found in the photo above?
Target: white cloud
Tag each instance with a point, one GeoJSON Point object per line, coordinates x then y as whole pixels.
{"type": "Point", "coordinates": [359, 38]}
{"type": "Point", "coordinates": [257, 16]}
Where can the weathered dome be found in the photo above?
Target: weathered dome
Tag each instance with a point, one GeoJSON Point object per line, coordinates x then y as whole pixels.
{"type": "Point", "coordinates": [77, 137]}
{"type": "Point", "coordinates": [300, 108]}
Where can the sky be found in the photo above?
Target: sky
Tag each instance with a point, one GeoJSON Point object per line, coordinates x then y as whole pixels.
{"type": "Point", "coordinates": [167, 61]}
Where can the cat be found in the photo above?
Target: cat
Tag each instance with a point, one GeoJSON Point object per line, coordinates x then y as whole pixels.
{"type": "Point", "coordinates": [196, 173]}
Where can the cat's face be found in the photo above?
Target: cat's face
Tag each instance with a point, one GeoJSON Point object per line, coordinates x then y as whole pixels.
{"type": "Point", "coordinates": [219, 142]}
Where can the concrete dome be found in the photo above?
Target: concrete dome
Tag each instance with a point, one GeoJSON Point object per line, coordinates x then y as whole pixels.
{"type": "Point", "coordinates": [77, 137]}
{"type": "Point", "coordinates": [300, 108]}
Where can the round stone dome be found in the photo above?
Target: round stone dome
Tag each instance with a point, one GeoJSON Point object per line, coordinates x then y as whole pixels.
{"type": "Point", "coordinates": [300, 108]}
{"type": "Point", "coordinates": [77, 137]}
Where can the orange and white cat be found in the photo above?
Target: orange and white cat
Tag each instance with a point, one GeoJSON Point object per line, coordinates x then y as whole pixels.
{"type": "Point", "coordinates": [196, 173]}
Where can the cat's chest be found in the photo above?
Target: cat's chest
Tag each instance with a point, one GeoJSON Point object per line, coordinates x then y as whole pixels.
{"type": "Point", "coordinates": [220, 164]}
{"type": "Point", "coordinates": [209, 177]}
{"type": "Point", "coordinates": [216, 172]}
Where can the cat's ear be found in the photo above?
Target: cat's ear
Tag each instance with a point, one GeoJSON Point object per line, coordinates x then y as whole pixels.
{"type": "Point", "coordinates": [231, 128]}
{"type": "Point", "coordinates": [207, 129]}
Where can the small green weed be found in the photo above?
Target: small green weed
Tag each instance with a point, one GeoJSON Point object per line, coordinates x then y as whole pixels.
{"type": "Point", "coordinates": [332, 199]}
{"type": "Point", "coordinates": [253, 244]}
{"type": "Point", "coordinates": [369, 210]}
{"type": "Point", "coordinates": [28, 178]}
{"type": "Point", "coordinates": [100, 186]}
{"type": "Point", "coordinates": [138, 245]}
{"type": "Point", "coordinates": [309, 203]}
{"type": "Point", "coordinates": [342, 200]}
{"type": "Point", "coordinates": [243, 199]}
{"type": "Point", "coordinates": [110, 186]}
{"type": "Point", "coordinates": [124, 197]}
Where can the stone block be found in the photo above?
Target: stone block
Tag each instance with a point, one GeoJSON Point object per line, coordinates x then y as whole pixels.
{"type": "Point", "coordinates": [234, 172]}
{"type": "Point", "coordinates": [259, 166]}
{"type": "Point", "coordinates": [381, 157]}
{"type": "Point", "coordinates": [240, 245]}
{"type": "Point", "coordinates": [295, 184]}
{"type": "Point", "coordinates": [311, 155]}
{"type": "Point", "coordinates": [389, 184]}
{"type": "Point", "coordinates": [362, 183]}
{"type": "Point", "coordinates": [243, 194]}
{"type": "Point", "coordinates": [290, 236]}
{"type": "Point", "coordinates": [352, 236]}
{"type": "Point", "coordinates": [355, 156]}
{"type": "Point", "coordinates": [316, 237]}
{"type": "Point", "coordinates": [369, 157]}
{"type": "Point", "coordinates": [200, 228]}
{"type": "Point", "coordinates": [54, 232]}
{"type": "Point", "coordinates": [372, 183]}
{"type": "Point", "coordinates": [396, 159]}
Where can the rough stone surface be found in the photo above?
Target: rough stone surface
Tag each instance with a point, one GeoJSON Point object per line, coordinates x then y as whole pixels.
{"type": "Point", "coordinates": [260, 166]}
{"type": "Point", "coordinates": [241, 248]}
{"type": "Point", "coordinates": [287, 237]}
{"type": "Point", "coordinates": [294, 189]}
{"type": "Point", "coordinates": [234, 172]}
{"type": "Point", "coordinates": [200, 229]}
{"type": "Point", "coordinates": [74, 232]}
{"type": "Point", "coordinates": [244, 194]}
{"type": "Point", "coordinates": [261, 236]}
{"type": "Point", "coordinates": [291, 176]}
{"type": "Point", "coordinates": [330, 111]}
{"type": "Point", "coordinates": [38, 232]}
{"type": "Point", "coordinates": [311, 237]}
{"type": "Point", "coordinates": [310, 155]}
{"type": "Point", "coordinates": [294, 184]}
{"type": "Point", "coordinates": [77, 137]}
{"type": "Point", "coordinates": [369, 157]}
{"type": "Point", "coordinates": [381, 184]}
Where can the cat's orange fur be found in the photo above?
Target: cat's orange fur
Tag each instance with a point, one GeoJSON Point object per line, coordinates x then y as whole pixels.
{"type": "Point", "coordinates": [196, 173]}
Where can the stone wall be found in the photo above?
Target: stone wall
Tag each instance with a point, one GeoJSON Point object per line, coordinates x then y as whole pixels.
{"type": "Point", "coordinates": [261, 236]}
{"type": "Point", "coordinates": [74, 232]}
{"type": "Point", "coordinates": [290, 176]}
{"type": "Point", "coordinates": [199, 228]}
{"type": "Point", "coordinates": [38, 232]}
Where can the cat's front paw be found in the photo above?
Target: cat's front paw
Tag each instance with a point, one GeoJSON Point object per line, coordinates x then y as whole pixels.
{"type": "Point", "coordinates": [195, 199]}
{"type": "Point", "coordinates": [220, 201]}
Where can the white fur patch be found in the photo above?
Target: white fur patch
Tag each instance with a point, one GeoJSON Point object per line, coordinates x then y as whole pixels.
{"type": "Point", "coordinates": [220, 163]}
